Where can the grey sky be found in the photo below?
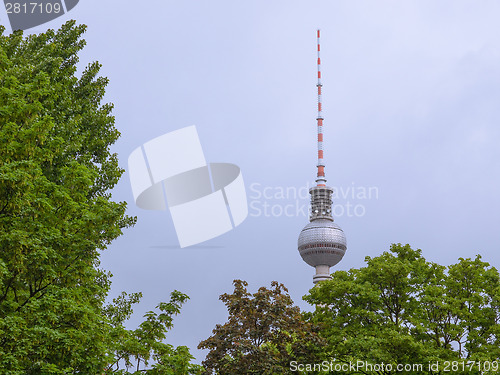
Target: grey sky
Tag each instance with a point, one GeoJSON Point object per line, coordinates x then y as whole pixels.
{"type": "Point", "coordinates": [411, 106]}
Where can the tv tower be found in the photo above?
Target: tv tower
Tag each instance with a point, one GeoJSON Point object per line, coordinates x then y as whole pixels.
{"type": "Point", "coordinates": [322, 243]}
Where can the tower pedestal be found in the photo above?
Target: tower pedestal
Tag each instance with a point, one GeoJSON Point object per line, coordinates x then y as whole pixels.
{"type": "Point", "coordinates": [322, 273]}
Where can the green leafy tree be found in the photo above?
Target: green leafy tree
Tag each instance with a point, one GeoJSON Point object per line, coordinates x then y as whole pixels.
{"type": "Point", "coordinates": [402, 309]}
{"type": "Point", "coordinates": [136, 349]}
{"type": "Point", "coordinates": [56, 170]}
{"type": "Point", "coordinates": [56, 215]}
{"type": "Point", "coordinates": [263, 334]}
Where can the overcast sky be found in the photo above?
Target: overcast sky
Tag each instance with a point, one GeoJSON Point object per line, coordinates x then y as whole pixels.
{"type": "Point", "coordinates": [411, 107]}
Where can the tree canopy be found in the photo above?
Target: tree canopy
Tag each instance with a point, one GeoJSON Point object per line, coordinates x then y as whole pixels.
{"type": "Point", "coordinates": [56, 215]}
{"type": "Point", "coordinates": [402, 309]}
{"type": "Point", "coordinates": [142, 347]}
{"type": "Point", "coordinates": [263, 334]}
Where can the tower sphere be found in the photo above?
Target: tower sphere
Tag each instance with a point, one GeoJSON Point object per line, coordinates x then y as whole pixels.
{"type": "Point", "coordinates": [322, 242]}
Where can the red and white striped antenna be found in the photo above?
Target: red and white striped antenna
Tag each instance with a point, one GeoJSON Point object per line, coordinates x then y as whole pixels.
{"type": "Point", "coordinates": [321, 180]}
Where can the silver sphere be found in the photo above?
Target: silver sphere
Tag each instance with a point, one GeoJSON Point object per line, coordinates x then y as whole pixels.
{"type": "Point", "coordinates": [322, 242]}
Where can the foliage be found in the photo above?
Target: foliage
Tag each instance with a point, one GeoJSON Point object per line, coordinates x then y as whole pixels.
{"type": "Point", "coordinates": [56, 214]}
{"type": "Point", "coordinates": [402, 309]}
{"type": "Point", "coordinates": [142, 346]}
{"type": "Point", "coordinates": [264, 332]}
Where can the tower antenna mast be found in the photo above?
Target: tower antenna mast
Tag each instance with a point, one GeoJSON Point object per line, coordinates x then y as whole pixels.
{"type": "Point", "coordinates": [321, 180]}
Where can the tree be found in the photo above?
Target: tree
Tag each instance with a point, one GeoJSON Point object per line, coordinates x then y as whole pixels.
{"type": "Point", "coordinates": [142, 346]}
{"type": "Point", "coordinates": [56, 215]}
{"type": "Point", "coordinates": [263, 334]}
{"type": "Point", "coordinates": [402, 309]}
